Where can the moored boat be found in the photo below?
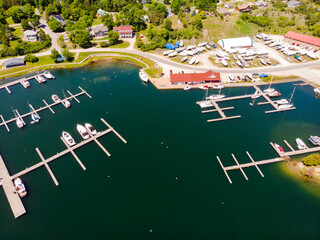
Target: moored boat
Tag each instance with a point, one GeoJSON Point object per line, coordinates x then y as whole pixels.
{"type": "Point", "coordinates": [90, 129]}
{"type": "Point", "coordinates": [280, 149]}
{"type": "Point", "coordinates": [315, 140]}
{"type": "Point", "coordinates": [300, 144]}
{"type": "Point", "coordinates": [20, 188]}
{"type": "Point", "coordinates": [19, 123]}
{"type": "Point", "coordinates": [317, 90]}
{"type": "Point", "coordinates": [205, 104]}
{"type": "Point", "coordinates": [40, 79]}
{"type": "Point", "coordinates": [55, 98]}
{"type": "Point", "coordinates": [66, 103]}
{"type": "Point", "coordinates": [217, 87]}
{"type": "Point", "coordinates": [187, 88]}
{"type": "Point", "coordinates": [255, 95]}
{"type": "Point", "coordinates": [25, 83]}
{"type": "Point", "coordinates": [274, 94]}
{"type": "Point", "coordinates": [282, 101]}
{"type": "Point", "coordinates": [69, 140]}
{"type": "Point", "coordinates": [35, 118]}
{"type": "Point", "coordinates": [48, 75]}
{"type": "Point", "coordinates": [143, 77]}
{"type": "Point", "coordinates": [83, 131]}
{"type": "Point", "coordinates": [205, 87]}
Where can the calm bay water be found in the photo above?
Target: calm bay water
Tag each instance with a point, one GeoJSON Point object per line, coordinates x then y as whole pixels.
{"type": "Point", "coordinates": [166, 182]}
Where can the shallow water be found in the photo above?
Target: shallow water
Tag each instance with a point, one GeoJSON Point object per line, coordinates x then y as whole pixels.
{"type": "Point", "coordinates": [166, 183]}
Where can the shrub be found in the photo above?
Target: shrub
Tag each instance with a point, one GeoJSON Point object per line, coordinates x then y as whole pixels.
{"type": "Point", "coordinates": [312, 160]}
{"type": "Point", "coordinates": [104, 44]}
{"type": "Point", "coordinates": [31, 58]}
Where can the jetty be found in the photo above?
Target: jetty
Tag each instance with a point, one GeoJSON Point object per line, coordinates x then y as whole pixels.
{"type": "Point", "coordinates": [6, 180]}
{"type": "Point", "coordinates": [19, 81]}
{"type": "Point", "coordinates": [217, 108]}
{"type": "Point", "coordinates": [36, 111]}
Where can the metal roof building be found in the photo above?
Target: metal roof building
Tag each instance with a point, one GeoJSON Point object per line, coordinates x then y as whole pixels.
{"type": "Point", "coordinates": [13, 62]}
{"type": "Point", "coordinates": [303, 38]}
{"type": "Point", "coordinates": [241, 42]}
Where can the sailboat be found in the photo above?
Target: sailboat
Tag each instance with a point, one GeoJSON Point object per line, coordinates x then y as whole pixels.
{"type": "Point", "coordinates": [65, 101]}
{"type": "Point", "coordinates": [269, 89]}
{"type": "Point", "coordinates": [216, 96]}
{"type": "Point", "coordinates": [289, 104]}
{"type": "Point", "coordinates": [206, 103]}
{"type": "Point", "coordinates": [35, 118]}
{"type": "Point", "coordinates": [255, 95]}
{"type": "Point", "coordinates": [18, 120]}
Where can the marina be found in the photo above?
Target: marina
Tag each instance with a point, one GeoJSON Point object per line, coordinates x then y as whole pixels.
{"type": "Point", "coordinates": [6, 180]}
{"type": "Point", "coordinates": [36, 111]}
{"type": "Point", "coordinates": [6, 86]}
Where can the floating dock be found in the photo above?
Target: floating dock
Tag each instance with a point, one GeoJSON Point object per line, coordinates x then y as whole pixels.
{"type": "Point", "coordinates": [36, 111]}
{"type": "Point", "coordinates": [6, 180]}
{"type": "Point", "coordinates": [19, 81]}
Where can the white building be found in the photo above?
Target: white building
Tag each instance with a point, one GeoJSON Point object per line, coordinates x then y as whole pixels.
{"type": "Point", "coordinates": [241, 42]}
{"type": "Point", "coordinates": [30, 35]}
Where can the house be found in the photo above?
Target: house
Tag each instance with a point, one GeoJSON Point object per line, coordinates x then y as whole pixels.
{"type": "Point", "coordinates": [294, 3]}
{"type": "Point", "coordinates": [30, 35]}
{"type": "Point", "coordinates": [224, 12]}
{"type": "Point", "coordinates": [13, 62]}
{"type": "Point", "coordinates": [244, 8]}
{"type": "Point", "coordinates": [241, 42]}
{"type": "Point", "coordinates": [143, 1]}
{"type": "Point", "coordinates": [302, 38]}
{"type": "Point", "coordinates": [99, 31]}
{"type": "Point", "coordinates": [60, 19]}
{"type": "Point", "coordinates": [195, 78]}
{"type": "Point", "coordinates": [101, 13]}
{"type": "Point", "coordinates": [228, 5]}
{"type": "Point", "coordinates": [125, 31]}
{"type": "Point", "coordinates": [261, 3]}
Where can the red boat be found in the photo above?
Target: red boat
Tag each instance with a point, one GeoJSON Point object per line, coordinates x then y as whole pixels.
{"type": "Point", "coordinates": [280, 149]}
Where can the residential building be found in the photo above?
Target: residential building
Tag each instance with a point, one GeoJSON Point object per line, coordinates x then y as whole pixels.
{"type": "Point", "coordinates": [294, 3]}
{"type": "Point", "coordinates": [125, 31]}
{"type": "Point", "coordinates": [261, 4]}
{"type": "Point", "coordinates": [60, 19]}
{"type": "Point", "coordinates": [244, 7]}
{"type": "Point", "coordinates": [224, 12]}
{"type": "Point", "coordinates": [13, 62]}
{"type": "Point", "coordinates": [30, 35]}
{"type": "Point", "coordinates": [228, 5]}
{"type": "Point", "coordinates": [101, 12]}
{"type": "Point", "coordinates": [302, 38]}
{"type": "Point", "coordinates": [194, 78]}
{"type": "Point", "coordinates": [99, 31]}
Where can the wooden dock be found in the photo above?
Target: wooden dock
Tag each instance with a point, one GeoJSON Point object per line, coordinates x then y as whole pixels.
{"type": "Point", "coordinates": [6, 180]}
{"type": "Point", "coordinates": [19, 81]}
{"type": "Point", "coordinates": [10, 191]}
{"type": "Point", "coordinates": [36, 111]}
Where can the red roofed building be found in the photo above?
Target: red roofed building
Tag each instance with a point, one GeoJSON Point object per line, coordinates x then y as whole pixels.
{"type": "Point", "coordinates": [125, 31]}
{"type": "Point", "coordinates": [194, 78]}
{"type": "Point", "coordinates": [302, 38]}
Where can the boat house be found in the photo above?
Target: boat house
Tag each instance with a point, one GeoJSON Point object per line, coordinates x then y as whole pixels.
{"type": "Point", "coordinates": [194, 78]}
{"type": "Point", "coordinates": [13, 62]}
{"type": "Point", "coordinates": [302, 39]}
{"type": "Point", "coordinates": [125, 31]}
{"type": "Point", "coordinates": [241, 42]}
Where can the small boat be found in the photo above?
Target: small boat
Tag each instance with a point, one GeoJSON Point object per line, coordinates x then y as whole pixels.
{"type": "Point", "coordinates": [55, 98]}
{"type": "Point", "coordinates": [317, 90]}
{"type": "Point", "coordinates": [35, 118]}
{"type": "Point", "coordinates": [192, 60]}
{"type": "Point", "coordinates": [205, 104]}
{"type": "Point", "coordinates": [143, 77]}
{"type": "Point", "coordinates": [208, 46]}
{"type": "Point", "coordinates": [20, 188]}
{"type": "Point", "coordinates": [300, 144]}
{"type": "Point", "coordinates": [184, 59]}
{"type": "Point", "coordinates": [48, 75]}
{"type": "Point", "coordinates": [90, 129]}
{"type": "Point", "coordinates": [315, 140]}
{"type": "Point", "coordinates": [269, 89]}
{"type": "Point", "coordinates": [216, 96]}
{"type": "Point", "coordinates": [239, 63]}
{"type": "Point", "coordinates": [66, 103]}
{"type": "Point", "coordinates": [187, 88]}
{"type": "Point", "coordinates": [217, 87]}
{"type": "Point", "coordinates": [280, 149]}
{"type": "Point", "coordinates": [224, 63]}
{"type": "Point", "coordinates": [263, 61]}
{"type": "Point", "coordinates": [19, 123]}
{"type": "Point", "coordinates": [231, 77]}
{"type": "Point", "coordinates": [205, 87]}
{"type": "Point", "coordinates": [282, 101]}
{"type": "Point", "coordinates": [255, 95]}
{"type": "Point", "coordinates": [40, 79]}
{"type": "Point", "coordinates": [83, 132]}
{"type": "Point", "coordinates": [69, 140]}
{"type": "Point", "coordinates": [249, 75]}
{"type": "Point", "coordinates": [285, 106]}
{"type": "Point", "coordinates": [196, 61]}
{"type": "Point", "coordinates": [274, 94]}
{"type": "Point", "coordinates": [25, 83]}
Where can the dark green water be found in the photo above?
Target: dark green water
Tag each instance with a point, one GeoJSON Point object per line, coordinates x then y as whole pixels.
{"type": "Point", "coordinates": [166, 179]}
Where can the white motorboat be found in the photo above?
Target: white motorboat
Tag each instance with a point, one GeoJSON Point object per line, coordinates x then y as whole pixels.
{"type": "Point", "coordinates": [192, 60]}
{"type": "Point", "coordinates": [19, 123]}
{"type": "Point", "coordinates": [282, 101]}
{"type": "Point", "coordinates": [315, 140]}
{"type": "Point", "coordinates": [48, 75]}
{"type": "Point", "coordinates": [187, 88]}
{"type": "Point", "coordinates": [69, 140]}
{"type": "Point", "coordinates": [205, 87]}
{"type": "Point", "coordinates": [269, 89]}
{"type": "Point", "coordinates": [20, 188]}
{"type": "Point", "coordinates": [205, 104]}
{"type": "Point", "coordinates": [317, 90]}
{"type": "Point", "coordinates": [231, 77]}
{"type": "Point", "coordinates": [181, 43]}
{"type": "Point", "coordinates": [40, 79]}
{"type": "Point", "coordinates": [311, 55]}
{"type": "Point", "coordinates": [285, 106]}
{"type": "Point", "coordinates": [168, 52]}
{"type": "Point", "coordinates": [55, 98]}
{"type": "Point", "coordinates": [173, 54]}
{"type": "Point", "coordinates": [279, 148]}
{"type": "Point", "coordinates": [274, 94]}
{"type": "Point", "coordinates": [216, 96]}
{"type": "Point", "coordinates": [249, 75]}
{"type": "Point", "coordinates": [300, 144]}
{"type": "Point", "coordinates": [208, 46]}
{"type": "Point", "coordinates": [224, 62]}
{"type": "Point", "coordinates": [66, 103]}
{"type": "Point", "coordinates": [143, 77]}
{"type": "Point", "coordinates": [263, 61]}
{"type": "Point", "coordinates": [196, 61]}
{"type": "Point", "coordinates": [184, 59]}
{"type": "Point", "coordinates": [35, 118]}
{"type": "Point", "coordinates": [90, 129]}
{"type": "Point", "coordinates": [83, 131]}
{"type": "Point", "coordinates": [255, 95]}
{"type": "Point", "coordinates": [25, 83]}
{"type": "Point", "coordinates": [217, 87]}
{"type": "Point", "coordinates": [239, 63]}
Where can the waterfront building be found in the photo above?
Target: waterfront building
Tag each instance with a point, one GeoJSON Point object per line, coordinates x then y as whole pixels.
{"type": "Point", "coordinates": [302, 39]}
{"type": "Point", "coordinates": [194, 78]}
{"type": "Point", "coordinates": [13, 62]}
{"type": "Point", "coordinates": [125, 31]}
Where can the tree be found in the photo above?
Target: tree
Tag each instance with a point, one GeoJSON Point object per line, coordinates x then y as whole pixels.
{"type": "Point", "coordinates": [312, 160]}
{"type": "Point", "coordinates": [68, 56]}
{"type": "Point", "coordinates": [108, 21]}
{"type": "Point", "coordinates": [55, 25]}
{"type": "Point", "coordinates": [28, 10]}
{"type": "Point", "coordinates": [31, 58]}
{"type": "Point", "coordinates": [167, 2]}
{"type": "Point", "coordinates": [35, 20]}
{"type": "Point", "coordinates": [42, 35]}
{"type": "Point", "coordinates": [81, 37]}
{"type": "Point", "coordinates": [113, 37]}
{"type": "Point", "coordinates": [16, 13]}
{"type": "Point", "coordinates": [168, 24]}
{"type": "Point", "coordinates": [25, 24]}
{"type": "Point", "coordinates": [54, 54]}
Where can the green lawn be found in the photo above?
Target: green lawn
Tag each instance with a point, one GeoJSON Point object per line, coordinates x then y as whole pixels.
{"type": "Point", "coordinates": [96, 21]}
{"type": "Point", "coordinates": [123, 44]}
{"type": "Point", "coordinates": [10, 21]}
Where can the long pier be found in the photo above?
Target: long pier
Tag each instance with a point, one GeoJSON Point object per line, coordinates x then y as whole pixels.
{"type": "Point", "coordinates": [19, 81]}
{"type": "Point", "coordinates": [6, 180]}
{"type": "Point", "coordinates": [36, 111]}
